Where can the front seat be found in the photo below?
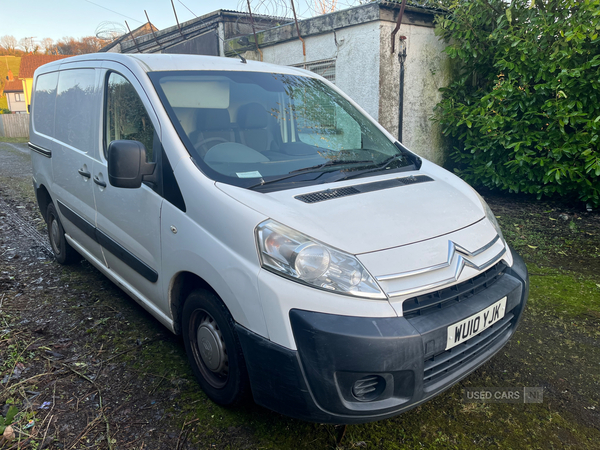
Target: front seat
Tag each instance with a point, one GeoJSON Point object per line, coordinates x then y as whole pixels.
{"type": "Point", "coordinates": [213, 126]}
{"type": "Point", "coordinates": [253, 122]}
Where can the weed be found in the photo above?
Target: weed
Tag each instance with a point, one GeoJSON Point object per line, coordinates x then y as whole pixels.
{"type": "Point", "coordinates": [8, 420]}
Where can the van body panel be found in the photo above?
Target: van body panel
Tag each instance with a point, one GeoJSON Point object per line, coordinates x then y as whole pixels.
{"type": "Point", "coordinates": [73, 154]}
{"type": "Point", "coordinates": [208, 242]}
{"type": "Point", "coordinates": [347, 223]}
{"type": "Point", "coordinates": [277, 306]}
{"type": "Point", "coordinates": [129, 219]}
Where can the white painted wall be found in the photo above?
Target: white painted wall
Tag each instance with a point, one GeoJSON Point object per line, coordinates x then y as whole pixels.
{"type": "Point", "coordinates": [426, 70]}
{"type": "Point", "coordinates": [14, 105]}
{"type": "Point", "coordinates": [356, 55]}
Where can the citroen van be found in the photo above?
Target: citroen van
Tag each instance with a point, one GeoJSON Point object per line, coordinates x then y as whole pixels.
{"type": "Point", "coordinates": [307, 258]}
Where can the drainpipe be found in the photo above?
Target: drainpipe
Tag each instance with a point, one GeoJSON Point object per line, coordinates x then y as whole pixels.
{"type": "Point", "coordinates": [401, 59]}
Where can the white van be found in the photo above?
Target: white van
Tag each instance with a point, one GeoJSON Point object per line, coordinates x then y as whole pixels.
{"type": "Point", "coordinates": [305, 255]}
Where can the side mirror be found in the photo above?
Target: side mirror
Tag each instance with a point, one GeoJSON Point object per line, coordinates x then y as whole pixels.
{"type": "Point", "coordinates": [127, 166]}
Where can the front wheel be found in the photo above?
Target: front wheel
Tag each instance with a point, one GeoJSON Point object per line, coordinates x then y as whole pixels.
{"type": "Point", "coordinates": [63, 252]}
{"type": "Point", "coordinates": [213, 348]}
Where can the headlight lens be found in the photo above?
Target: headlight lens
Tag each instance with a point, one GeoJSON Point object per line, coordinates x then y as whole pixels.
{"type": "Point", "coordinates": [297, 256]}
{"type": "Point", "coordinates": [491, 217]}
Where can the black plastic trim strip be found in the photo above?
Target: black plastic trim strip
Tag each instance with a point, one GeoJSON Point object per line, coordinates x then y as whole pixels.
{"type": "Point", "coordinates": [109, 244]}
{"type": "Point", "coordinates": [41, 150]}
{"type": "Point", "coordinates": [88, 228]}
{"type": "Point", "coordinates": [126, 256]}
{"type": "Point", "coordinates": [328, 194]}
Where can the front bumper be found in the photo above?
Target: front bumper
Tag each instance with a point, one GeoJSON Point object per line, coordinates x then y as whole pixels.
{"type": "Point", "coordinates": [403, 358]}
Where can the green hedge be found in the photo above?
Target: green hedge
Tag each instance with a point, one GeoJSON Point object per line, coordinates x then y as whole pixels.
{"type": "Point", "coordinates": [524, 107]}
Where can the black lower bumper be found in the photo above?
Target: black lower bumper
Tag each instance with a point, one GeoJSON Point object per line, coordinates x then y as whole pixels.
{"type": "Point", "coordinates": [358, 369]}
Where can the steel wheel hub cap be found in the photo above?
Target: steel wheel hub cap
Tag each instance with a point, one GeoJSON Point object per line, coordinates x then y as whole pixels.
{"type": "Point", "coordinates": [210, 346]}
{"type": "Point", "coordinates": [54, 231]}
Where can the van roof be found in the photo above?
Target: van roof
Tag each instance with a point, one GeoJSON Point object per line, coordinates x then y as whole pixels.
{"type": "Point", "coordinates": [162, 62]}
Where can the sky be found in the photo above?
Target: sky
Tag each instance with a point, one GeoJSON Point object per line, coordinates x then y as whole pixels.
{"type": "Point", "coordinates": [78, 18]}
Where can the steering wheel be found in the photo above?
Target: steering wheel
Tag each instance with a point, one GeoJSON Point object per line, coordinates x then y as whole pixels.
{"type": "Point", "coordinates": [212, 139]}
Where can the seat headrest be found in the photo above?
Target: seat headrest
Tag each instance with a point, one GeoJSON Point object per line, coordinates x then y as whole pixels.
{"type": "Point", "coordinates": [187, 118]}
{"type": "Point", "coordinates": [252, 115]}
{"type": "Point", "coordinates": [213, 119]}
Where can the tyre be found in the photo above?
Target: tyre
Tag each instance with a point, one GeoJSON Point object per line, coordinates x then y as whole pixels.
{"type": "Point", "coordinates": [63, 252]}
{"type": "Point", "coordinates": [213, 348]}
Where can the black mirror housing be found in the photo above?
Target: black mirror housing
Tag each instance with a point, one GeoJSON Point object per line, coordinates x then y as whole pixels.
{"type": "Point", "coordinates": [127, 164]}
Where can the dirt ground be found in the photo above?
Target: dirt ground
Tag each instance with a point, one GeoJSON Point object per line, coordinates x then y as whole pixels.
{"type": "Point", "coordinates": [83, 366]}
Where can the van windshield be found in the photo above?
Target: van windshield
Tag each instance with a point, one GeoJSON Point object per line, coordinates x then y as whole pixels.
{"type": "Point", "coordinates": [271, 131]}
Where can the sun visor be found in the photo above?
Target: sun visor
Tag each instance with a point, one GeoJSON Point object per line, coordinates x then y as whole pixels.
{"type": "Point", "coordinates": [196, 93]}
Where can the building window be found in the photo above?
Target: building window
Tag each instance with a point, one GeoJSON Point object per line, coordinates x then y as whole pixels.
{"type": "Point", "coordinates": [325, 68]}
{"type": "Point", "coordinates": [19, 97]}
{"type": "Point", "coordinates": [324, 108]}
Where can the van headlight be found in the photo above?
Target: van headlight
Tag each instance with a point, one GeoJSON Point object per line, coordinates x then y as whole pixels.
{"type": "Point", "coordinates": [296, 256]}
{"type": "Point", "coordinates": [490, 216]}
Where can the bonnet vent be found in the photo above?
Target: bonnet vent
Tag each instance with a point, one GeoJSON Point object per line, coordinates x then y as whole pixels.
{"type": "Point", "coordinates": [328, 194]}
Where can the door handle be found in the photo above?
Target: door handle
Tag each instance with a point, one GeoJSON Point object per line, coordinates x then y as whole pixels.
{"type": "Point", "coordinates": [98, 182]}
{"type": "Point", "coordinates": [83, 173]}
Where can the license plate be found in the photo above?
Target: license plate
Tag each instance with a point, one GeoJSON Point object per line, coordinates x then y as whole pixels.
{"type": "Point", "coordinates": [465, 329]}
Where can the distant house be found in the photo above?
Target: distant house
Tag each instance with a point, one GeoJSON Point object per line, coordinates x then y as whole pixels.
{"type": "Point", "coordinates": [28, 65]}
{"type": "Point", "coordinates": [14, 94]}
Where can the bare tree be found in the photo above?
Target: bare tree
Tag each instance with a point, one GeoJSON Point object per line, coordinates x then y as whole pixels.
{"type": "Point", "coordinates": [26, 44]}
{"type": "Point", "coordinates": [48, 46]}
{"type": "Point", "coordinates": [90, 44]}
{"type": "Point", "coordinates": [9, 43]}
{"type": "Point", "coordinates": [72, 46]}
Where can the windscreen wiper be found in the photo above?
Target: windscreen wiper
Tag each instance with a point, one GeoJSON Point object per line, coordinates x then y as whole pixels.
{"type": "Point", "coordinates": [317, 168]}
{"type": "Point", "coordinates": [331, 162]}
{"type": "Point", "coordinates": [375, 168]}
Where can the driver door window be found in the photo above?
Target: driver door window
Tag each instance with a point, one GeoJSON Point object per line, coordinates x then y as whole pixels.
{"type": "Point", "coordinates": [126, 116]}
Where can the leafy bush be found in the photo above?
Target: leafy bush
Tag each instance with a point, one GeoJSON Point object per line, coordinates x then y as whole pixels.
{"type": "Point", "coordinates": [524, 108]}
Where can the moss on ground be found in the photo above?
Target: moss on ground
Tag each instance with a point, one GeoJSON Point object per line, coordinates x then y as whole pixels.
{"type": "Point", "coordinates": [11, 140]}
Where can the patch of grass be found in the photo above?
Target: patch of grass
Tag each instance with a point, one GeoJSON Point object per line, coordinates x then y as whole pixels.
{"type": "Point", "coordinates": [12, 140]}
{"type": "Point", "coordinates": [564, 293]}
{"type": "Point", "coordinates": [22, 188]}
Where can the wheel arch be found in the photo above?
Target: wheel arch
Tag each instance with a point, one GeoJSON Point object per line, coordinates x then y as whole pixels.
{"type": "Point", "coordinates": [182, 284]}
{"type": "Point", "coordinates": [43, 199]}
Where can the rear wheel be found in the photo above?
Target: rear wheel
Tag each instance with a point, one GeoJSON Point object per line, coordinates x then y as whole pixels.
{"type": "Point", "coordinates": [213, 348]}
{"type": "Point", "coordinates": [63, 252]}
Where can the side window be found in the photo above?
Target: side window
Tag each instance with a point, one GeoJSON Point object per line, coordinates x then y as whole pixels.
{"type": "Point", "coordinates": [126, 116]}
{"type": "Point", "coordinates": [75, 105]}
{"type": "Point", "coordinates": [44, 103]}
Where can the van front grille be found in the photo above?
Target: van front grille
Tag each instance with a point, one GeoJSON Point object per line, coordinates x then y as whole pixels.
{"type": "Point", "coordinates": [446, 364]}
{"type": "Point", "coordinates": [434, 301]}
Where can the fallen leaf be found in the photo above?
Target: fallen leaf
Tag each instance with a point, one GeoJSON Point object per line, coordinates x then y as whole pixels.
{"type": "Point", "coordinates": [9, 433]}
{"type": "Point", "coordinates": [531, 246]}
